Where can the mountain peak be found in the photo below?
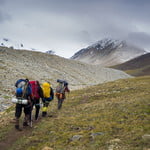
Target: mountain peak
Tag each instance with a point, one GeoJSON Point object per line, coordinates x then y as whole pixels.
{"type": "Point", "coordinates": [107, 52]}
{"type": "Point", "coordinates": [104, 43]}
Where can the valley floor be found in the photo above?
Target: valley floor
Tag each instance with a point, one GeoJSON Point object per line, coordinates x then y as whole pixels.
{"type": "Point", "coordinates": [110, 116]}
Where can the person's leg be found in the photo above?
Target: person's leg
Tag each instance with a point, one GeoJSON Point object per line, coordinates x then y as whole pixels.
{"type": "Point", "coordinates": [27, 112]}
{"type": "Point", "coordinates": [37, 107]}
{"type": "Point", "coordinates": [31, 109]}
{"type": "Point", "coordinates": [17, 115]}
{"type": "Point", "coordinates": [44, 111]}
{"type": "Point", "coordinates": [60, 101]}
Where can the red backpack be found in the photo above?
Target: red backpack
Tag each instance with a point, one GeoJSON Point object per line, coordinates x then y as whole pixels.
{"type": "Point", "coordinates": [35, 89]}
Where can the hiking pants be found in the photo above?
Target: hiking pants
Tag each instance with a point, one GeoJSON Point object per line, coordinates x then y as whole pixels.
{"type": "Point", "coordinates": [27, 110]}
{"type": "Point", "coordinates": [60, 101]}
{"type": "Point", "coordinates": [36, 103]}
{"type": "Point", "coordinates": [45, 107]}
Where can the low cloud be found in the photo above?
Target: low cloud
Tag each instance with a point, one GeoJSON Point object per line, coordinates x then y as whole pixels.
{"type": "Point", "coordinates": [4, 17]}
{"type": "Point", "coordinates": [68, 25]}
{"type": "Point", "coordinates": [141, 39]}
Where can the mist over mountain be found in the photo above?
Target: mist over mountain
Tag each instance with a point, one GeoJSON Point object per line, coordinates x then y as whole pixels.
{"type": "Point", "coordinates": [108, 52]}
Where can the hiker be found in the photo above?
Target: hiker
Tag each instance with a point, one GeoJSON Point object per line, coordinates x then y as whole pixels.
{"type": "Point", "coordinates": [48, 95]}
{"type": "Point", "coordinates": [35, 97]}
{"type": "Point", "coordinates": [23, 100]}
{"type": "Point", "coordinates": [61, 88]}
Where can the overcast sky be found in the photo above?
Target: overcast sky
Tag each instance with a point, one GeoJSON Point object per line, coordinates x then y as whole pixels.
{"type": "Point", "coordinates": [67, 26]}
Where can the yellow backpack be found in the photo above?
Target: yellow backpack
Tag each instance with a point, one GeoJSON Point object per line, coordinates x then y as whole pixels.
{"type": "Point", "coordinates": [46, 90]}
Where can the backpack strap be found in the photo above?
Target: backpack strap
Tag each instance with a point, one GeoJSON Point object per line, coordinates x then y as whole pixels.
{"type": "Point", "coordinates": [25, 89]}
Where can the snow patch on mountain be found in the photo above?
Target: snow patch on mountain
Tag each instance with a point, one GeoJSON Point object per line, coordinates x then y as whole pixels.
{"type": "Point", "coordinates": [108, 52]}
{"type": "Point", "coordinates": [105, 43]}
{"type": "Point", "coordinates": [6, 42]}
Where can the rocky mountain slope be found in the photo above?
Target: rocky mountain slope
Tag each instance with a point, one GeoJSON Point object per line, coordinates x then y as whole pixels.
{"type": "Point", "coordinates": [15, 64]}
{"type": "Point", "coordinates": [138, 66]}
{"type": "Point", "coordinates": [108, 52]}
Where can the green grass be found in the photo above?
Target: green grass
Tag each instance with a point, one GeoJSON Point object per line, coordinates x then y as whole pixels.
{"type": "Point", "coordinates": [119, 110]}
{"type": "Point", "coordinates": [5, 126]}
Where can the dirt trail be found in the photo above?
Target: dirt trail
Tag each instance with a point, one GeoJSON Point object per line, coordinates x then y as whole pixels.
{"type": "Point", "coordinates": [12, 136]}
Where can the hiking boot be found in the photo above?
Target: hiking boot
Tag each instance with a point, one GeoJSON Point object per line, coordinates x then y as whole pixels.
{"type": "Point", "coordinates": [36, 119]}
{"type": "Point", "coordinates": [44, 114]}
{"type": "Point", "coordinates": [25, 124]}
{"type": "Point", "coordinates": [17, 127]}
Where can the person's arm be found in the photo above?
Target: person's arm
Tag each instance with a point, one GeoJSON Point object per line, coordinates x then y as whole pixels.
{"type": "Point", "coordinates": [29, 100]}
{"type": "Point", "coordinates": [52, 93]}
{"type": "Point", "coordinates": [67, 89]}
{"type": "Point", "coordinates": [40, 92]}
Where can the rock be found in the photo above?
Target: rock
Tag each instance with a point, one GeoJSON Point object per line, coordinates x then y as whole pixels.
{"type": "Point", "coordinates": [47, 148]}
{"type": "Point", "coordinates": [115, 141]}
{"type": "Point", "coordinates": [146, 137]}
{"type": "Point", "coordinates": [111, 147]}
{"type": "Point", "coordinates": [76, 137]}
{"type": "Point", "coordinates": [114, 144]}
{"type": "Point", "coordinates": [93, 135]}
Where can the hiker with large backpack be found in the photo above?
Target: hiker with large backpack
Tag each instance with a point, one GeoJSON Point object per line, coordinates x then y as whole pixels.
{"type": "Point", "coordinates": [22, 100]}
{"type": "Point", "coordinates": [48, 96]}
{"type": "Point", "coordinates": [37, 93]}
{"type": "Point", "coordinates": [61, 88]}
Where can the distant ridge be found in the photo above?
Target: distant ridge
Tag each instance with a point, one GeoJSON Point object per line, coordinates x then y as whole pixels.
{"type": "Point", "coordinates": [138, 66]}
{"type": "Point", "coordinates": [108, 52]}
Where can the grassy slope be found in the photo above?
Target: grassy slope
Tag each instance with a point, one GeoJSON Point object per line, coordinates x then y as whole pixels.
{"type": "Point", "coordinates": [139, 66]}
{"type": "Point", "coordinates": [119, 110]}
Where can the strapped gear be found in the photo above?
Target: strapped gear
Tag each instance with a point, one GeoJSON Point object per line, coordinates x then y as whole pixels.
{"type": "Point", "coordinates": [46, 90]}
{"type": "Point", "coordinates": [35, 89]}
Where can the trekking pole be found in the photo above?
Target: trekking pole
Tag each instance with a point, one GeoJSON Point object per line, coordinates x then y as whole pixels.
{"type": "Point", "coordinates": [31, 121]}
{"type": "Point", "coordinates": [31, 116]}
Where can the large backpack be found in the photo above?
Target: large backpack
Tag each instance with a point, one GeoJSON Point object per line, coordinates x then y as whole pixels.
{"type": "Point", "coordinates": [46, 90]}
{"type": "Point", "coordinates": [23, 89]}
{"type": "Point", "coordinates": [35, 89]}
{"type": "Point", "coordinates": [60, 89]}
{"type": "Point", "coordinates": [61, 86]}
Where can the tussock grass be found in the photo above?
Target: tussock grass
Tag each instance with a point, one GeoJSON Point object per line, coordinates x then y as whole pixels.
{"type": "Point", "coordinates": [118, 110]}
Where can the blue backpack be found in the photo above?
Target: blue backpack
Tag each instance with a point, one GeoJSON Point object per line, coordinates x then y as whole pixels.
{"type": "Point", "coordinates": [23, 88]}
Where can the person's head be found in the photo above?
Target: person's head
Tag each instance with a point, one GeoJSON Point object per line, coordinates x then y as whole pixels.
{"type": "Point", "coordinates": [37, 82]}
{"type": "Point", "coordinates": [27, 80]}
{"type": "Point", "coordinates": [59, 81]}
{"type": "Point", "coordinates": [66, 84]}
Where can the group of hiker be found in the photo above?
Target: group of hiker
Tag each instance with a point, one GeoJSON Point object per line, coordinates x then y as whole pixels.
{"type": "Point", "coordinates": [28, 94]}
